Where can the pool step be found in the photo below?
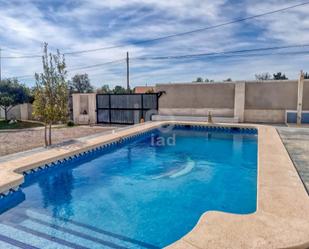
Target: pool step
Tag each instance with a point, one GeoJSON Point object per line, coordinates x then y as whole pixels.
{"type": "Point", "coordinates": [36, 230]}
{"type": "Point", "coordinates": [9, 243]}
{"type": "Point", "coordinates": [25, 240]}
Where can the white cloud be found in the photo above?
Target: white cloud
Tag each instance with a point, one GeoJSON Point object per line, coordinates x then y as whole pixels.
{"type": "Point", "coordinates": [290, 26]}
{"type": "Point", "coordinates": [94, 23]}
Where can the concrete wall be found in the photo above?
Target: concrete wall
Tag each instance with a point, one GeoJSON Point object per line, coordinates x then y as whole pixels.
{"type": "Point", "coordinates": [26, 112]}
{"type": "Point", "coordinates": [195, 95]}
{"type": "Point", "coordinates": [197, 99]}
{"type": "Point", "coordinates": [267, 102]}
{"type": "Point", "coordinates": [250, 101]}
{"type": "Point", "coordinates": [264, 116]}
{"type": "Point", "coordinates": [19, 112]}
{"type": "Point", "coordinates": [306, 95]}
{"type": "Point", "coordinates": [271, 95]}
{"type": "Point", "coordinates": [84, 108]}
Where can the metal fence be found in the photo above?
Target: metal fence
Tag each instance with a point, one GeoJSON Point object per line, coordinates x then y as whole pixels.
{"type": "Point", "coordinates": [126, 108]}
{"type": "Point", "coordinates": [70, 107]}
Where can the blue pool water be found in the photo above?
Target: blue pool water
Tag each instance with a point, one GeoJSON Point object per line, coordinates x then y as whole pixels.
{"type": "Point", "coordinates": [141, 194]}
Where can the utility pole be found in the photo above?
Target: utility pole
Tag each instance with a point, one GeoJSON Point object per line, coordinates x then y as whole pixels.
{"type": "Point", "coordinates": [0, 64]}
{"type": "Point", "coordinates": [128, 72]}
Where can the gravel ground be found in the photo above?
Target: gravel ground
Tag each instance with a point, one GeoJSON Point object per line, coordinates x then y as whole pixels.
{"type": "Point", "coordinates": [21, 140]}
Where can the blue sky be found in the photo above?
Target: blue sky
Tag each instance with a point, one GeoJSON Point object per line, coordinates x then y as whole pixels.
{"type": "Point", "coordinates": [78, 25]}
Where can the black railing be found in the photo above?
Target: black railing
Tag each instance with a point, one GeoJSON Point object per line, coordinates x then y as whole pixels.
{"type": "Point", "coordinates": [126, 108]}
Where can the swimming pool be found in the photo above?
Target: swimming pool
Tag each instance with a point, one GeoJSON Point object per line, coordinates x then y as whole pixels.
{"type": "Point", "coordinates": [146, 192]}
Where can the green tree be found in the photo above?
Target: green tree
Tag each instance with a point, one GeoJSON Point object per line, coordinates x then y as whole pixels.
{"type": "Point", "coordinates": [80, 83]}
{"type": "Point", "coordinates": [306, 75]}
{"type": "Point", "coordinates": [199, 79]}
{"type": "Point", "coordinates": [104, 89]}
{"type": "Point", "coordinates": [12, 93]}
{"type": "Point", "coordinates": [119, 90]}
{"type": "Point", "coordinates": [51, 92]}
{"type": "Point", "coordinates": [279, 76]}
{"type": "Point", "coordinates": [228, 80]}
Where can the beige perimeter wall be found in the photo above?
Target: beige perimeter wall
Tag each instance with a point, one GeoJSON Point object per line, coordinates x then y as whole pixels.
{"type": "Point", "coordinates": [196, 99]}
{"type": "Point", "coordinates": [19, 112]}
{"type": "Point", "coordinates": [264, 102]}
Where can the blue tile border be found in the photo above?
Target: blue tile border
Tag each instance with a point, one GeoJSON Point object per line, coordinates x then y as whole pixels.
{"type": "Point", "coordinates": [225, 129]}
{"type": "Point", "coordinates": [122, 141]}
{"type": "Point", "coordinates": [17, 243]}
{"type": "Point", "coordinates": [12, 199]}
{"type": "Point", "coordinates": [9, 192]}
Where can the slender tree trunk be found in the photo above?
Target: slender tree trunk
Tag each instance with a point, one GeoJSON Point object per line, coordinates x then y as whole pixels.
{"type": "Point", "coordinates": [45, 134]}
{"type": "Point", "coordinates": [50, 137]}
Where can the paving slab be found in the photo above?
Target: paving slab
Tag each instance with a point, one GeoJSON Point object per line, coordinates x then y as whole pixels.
{"type": "Point", "coordinates": [296, 141]}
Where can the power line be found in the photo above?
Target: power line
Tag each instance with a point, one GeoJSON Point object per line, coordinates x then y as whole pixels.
{"type": "Point", "coordinates": [172, 35]}
{"type": "Point", "coordinates": [22, 76]}
{"type": "Point", "coordinates": [265, 54]}
{"type": "Point", "coordinates": [224, 54]}
{"type": "Point", "coordinates": [22, 57]}
{"type": "Point", "coordinates": [25, 76]}
{"type": "Point", "coordinates": [236, 53]}
{"type": "Point", "coordinates": [76, 68]}
{"type": "Point", "coordinates": [220, 53]}
{"type": "Point", "coordinates": [192, 31]}
{"type": "Point", "coordinates": [96, 65]}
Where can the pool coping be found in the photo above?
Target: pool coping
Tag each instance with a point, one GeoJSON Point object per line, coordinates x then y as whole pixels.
{"type": "Point", "coordinates": [280, 221]}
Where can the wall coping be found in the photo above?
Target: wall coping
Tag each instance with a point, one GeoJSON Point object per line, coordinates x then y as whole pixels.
{"type": "Point", "coordinates": [229, 82]}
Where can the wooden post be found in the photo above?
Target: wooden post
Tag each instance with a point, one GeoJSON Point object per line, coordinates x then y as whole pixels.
{"type": "Point", "coordinates": [300, 97]}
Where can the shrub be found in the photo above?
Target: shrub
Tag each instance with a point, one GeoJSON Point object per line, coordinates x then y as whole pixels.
{"type": "Point", "coordinates": [70, 123]}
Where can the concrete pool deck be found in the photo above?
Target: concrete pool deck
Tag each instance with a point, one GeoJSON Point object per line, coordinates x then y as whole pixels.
{"type": "Point", "coordinates": [296, 141]}
{"type": "Point", "coordinates": [280, 221]}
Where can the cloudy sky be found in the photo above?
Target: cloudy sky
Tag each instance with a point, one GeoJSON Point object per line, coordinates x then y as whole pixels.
{"type": "Point", "coordinates": [82, 25]}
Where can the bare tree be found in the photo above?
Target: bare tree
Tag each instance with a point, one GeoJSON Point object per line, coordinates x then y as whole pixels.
{"type": "Point", "coordinates": [263, 76]}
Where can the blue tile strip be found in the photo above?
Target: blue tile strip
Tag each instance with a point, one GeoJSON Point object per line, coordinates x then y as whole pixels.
{"type": "Point", "coordinates": [111, 234]}
{"type": "Point", "coordinates": [78, 234]}
{"type": "Point", "coordinates": [9, 193]}
{"type": "Point", "coordinates": [16, 243]}
{"type": "Point", "coordinates": [48, 237]}
{"type": "Point", "coordinates": [225, 129]}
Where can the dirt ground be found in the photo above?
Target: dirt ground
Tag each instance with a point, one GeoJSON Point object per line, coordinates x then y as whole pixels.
{"type": "Point", "coordinates": [21, 140]}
